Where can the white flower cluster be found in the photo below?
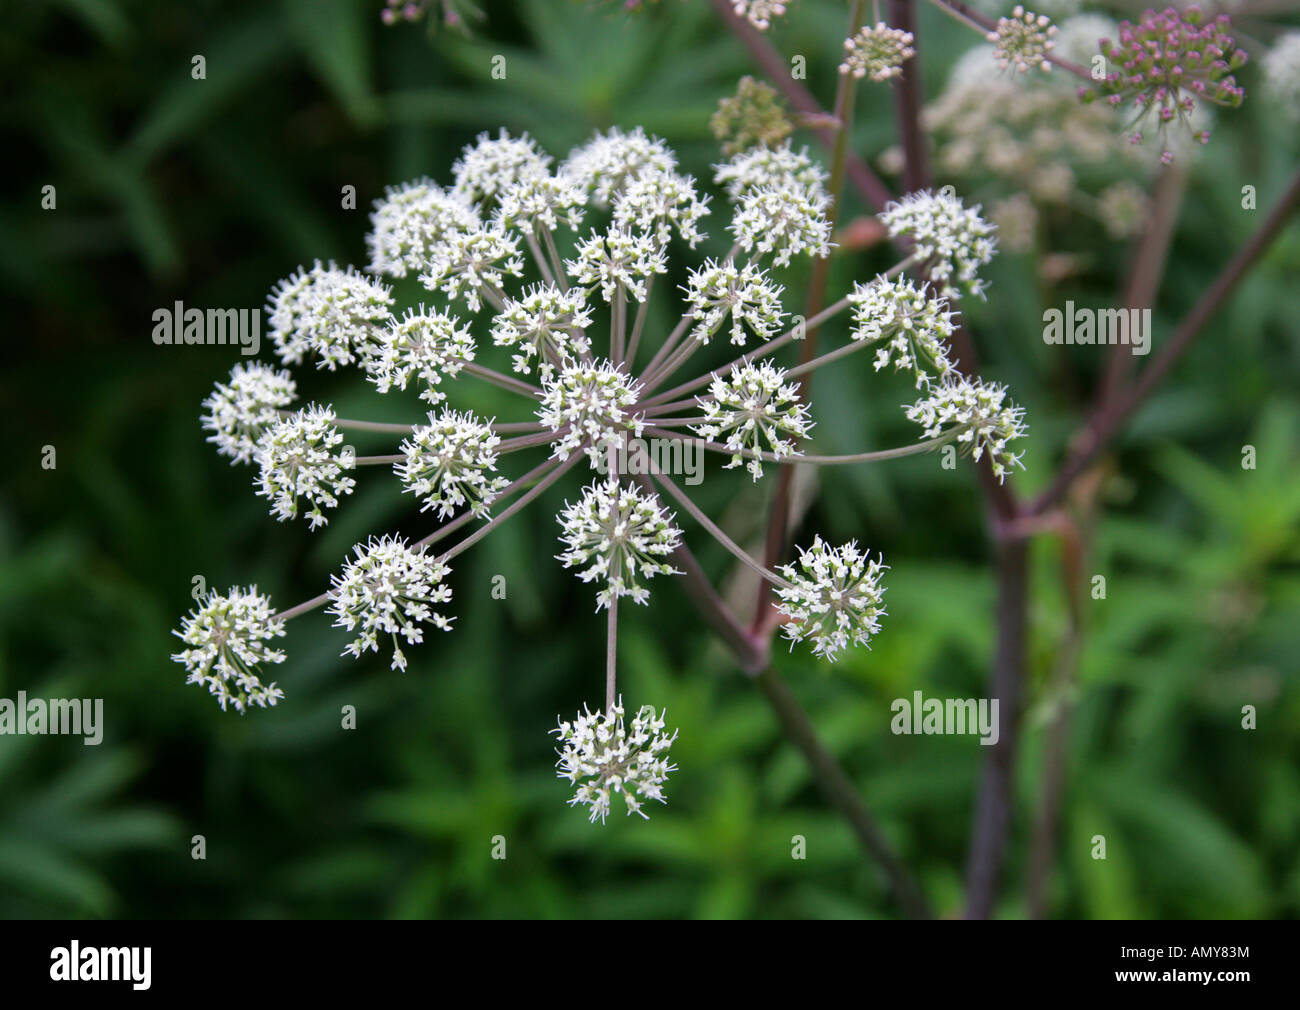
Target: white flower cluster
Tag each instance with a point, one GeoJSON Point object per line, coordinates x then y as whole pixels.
{"type": "Point", "coordinates": [879, 52]}
{"type": "Point", "coordinates": [605, 165]}
{"type": "Point", "coordinates": [769, 168]}
{"type": "Point", "coordinates": [493, 165]}
{"type": "Point", "coordinates": [835, 598]}
{"type": "Point", "coordinates": [388, 589]}
{"type": "Point", "coordinates": [1024, 41]}
{"type": "Point", "coordinates": [781, 203]}
{"type": "Point", "coordinates": [617, 260]}
{"type": "Point", "coordinates": [746, 293]}
{"type": "Point", "coordinates": [502, 215]}
{"type": "Point", "coordinates": [951, 238]}
{"type": "Point", "coordinates": [988, 420]}
{"type": "Point", "coordinates": [759, 13]}
{"type": "Point", "coordinates": [1042, 145]}
{"type": "Point", "coordinates": [914, 327]}
{"type": "Point", "coordinates": [600, 755]}
{"type": "Point", "coordinates": [620, 534]}
{"type": "Point", "coordinates": [546, 324]}
{"type": "Point", "coordinates": [1055, 8]}
{"type": "Point", "coordinates": [540, 202]}
{"type": "Point", "coordinates": [470, 263]}
{"type": "Point", "coordinates": [660, 203]}
{"type": "Point", "coordinates": [449, 463]}
{"type": "Point", "coordinates": [227, 638]}
{"type": "Point", "coordinates": [589, 403]}
{"type": "Point", "coordinates": [756, 409]}
{"type": "Point", "coordinates": [784, 222]}
{"type": "Point", "coordinates": [331, 313]}
{"type": "Point", "coordinates": [409, 223]}
{"type": "Point", "coordinates": [427, 344]}
{"type": "Point", "coordinates": [297, 460]}
{"type": "Point", "coordinates": [240, 412]}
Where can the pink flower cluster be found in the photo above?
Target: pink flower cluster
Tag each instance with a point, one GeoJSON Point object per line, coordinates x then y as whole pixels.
{"type": "Point", "coordinates": [1166, 62]}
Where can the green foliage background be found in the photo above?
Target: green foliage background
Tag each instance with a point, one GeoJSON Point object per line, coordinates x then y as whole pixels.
{"type": "Point", "coordinates": [209, 191]}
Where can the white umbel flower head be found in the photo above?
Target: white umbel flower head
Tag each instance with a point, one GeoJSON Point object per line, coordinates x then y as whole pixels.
{"type": "Point", "coordinates": [388, 589]}
{"type": "Point", "coordinates": [785, 221]}
{"type": "Point", "coordinates": [331, 313]}
{"type": "Point", "coordinates": [835, 598]}
{"type": "Point", "coordinates": [1281, 68]}
{"type": "Point", "coordinates": [746, 293]}
{"type": "Point", "coordinates": [621, 534]}
{"type": "Point", "coordinates": [409, 223]}
{"type": "Point", "coordinates": [617, 259]}
{"type": "Point", "coordinates": [467, 262]}
{"type": "Point", "coordinates": [879, 52]}
{"type": "Point", "coordinates": [546, 324]}
{"type": "Point", "coordinates": [757, 411]}
{"type": "Point", "coordinates": [227, 640]}
{"type": "Point", "coordinates": [601, 756]}
{"type": "Point", "coordinates": [914, 327]}
{"type": "Point", "coordinates": [1024, 41]}
{"type": "Point", "coordinates": [298, 461]}
{"type": "Point", "coordinates": [759, 13]}
{"type": "Point", "coordinates": [541, 202]}
{"type": "Point", "coordinates": [661, 203]}
{"type": "Point", "coordinates": [240, 412]}
{"type": "Point", "coordinates": [588, 402]}
{"type": "Point", "coordinates": [425, 344]}
{"type": "Point", "coordinates": [982, 409]}
{"type": "Point", "coordinates": [769, 167]}
{"type": "Point", "coordinates": [490, 166]}
{"type": "Point", "coordinates": [952, 239]}
{"type": "Point", "coordinates": [604, 165]}
{"type": "Point", "coordinates": [449, 464]}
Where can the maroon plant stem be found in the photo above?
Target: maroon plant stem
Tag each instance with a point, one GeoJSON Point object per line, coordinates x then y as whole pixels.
{"type": "Point", "coordinates": [907, 101]}
{"type": "Point", "coordinates": [1109, 416]}
{"type": "Point", "coordinates": [1043, 841]}
{"type": "Point", "coordinates": [992, 819]}
{"type": "Point", "coordinates": [777, 70]}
